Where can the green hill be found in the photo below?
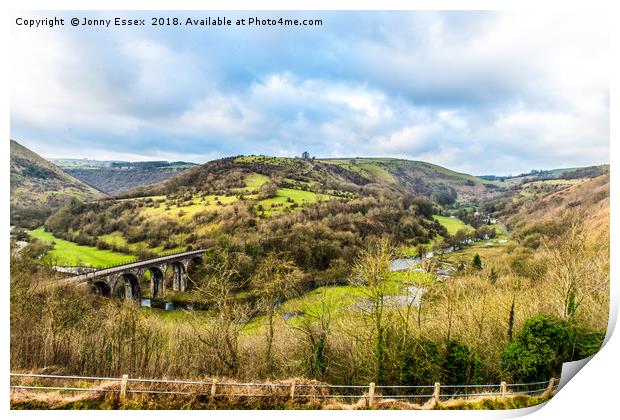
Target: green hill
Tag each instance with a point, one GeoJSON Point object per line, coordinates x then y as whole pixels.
{"type": "Point", "coordinates": [352, 175]}
{"type": "Point", "coordinates": [38, 187]}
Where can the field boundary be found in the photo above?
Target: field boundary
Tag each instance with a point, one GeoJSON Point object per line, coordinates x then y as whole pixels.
{"type": "Point", "coordinates": [371, 394]}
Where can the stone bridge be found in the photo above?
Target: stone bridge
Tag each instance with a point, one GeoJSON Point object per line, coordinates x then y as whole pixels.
{"type": "Point", "coordinates": [124, 280]}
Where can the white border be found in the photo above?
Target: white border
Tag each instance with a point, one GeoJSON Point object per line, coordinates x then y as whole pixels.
{"type": "Point", "coordinates": [592, 394]}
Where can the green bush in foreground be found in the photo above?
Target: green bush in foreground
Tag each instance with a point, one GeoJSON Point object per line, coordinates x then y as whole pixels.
{"type": "Point", "coordinates": [539, 349]}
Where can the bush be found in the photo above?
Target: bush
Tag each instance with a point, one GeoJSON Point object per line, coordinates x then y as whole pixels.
{"type": "Point", "coordinates": [418, 363]}
{"type": "Point", "coordinates": [425, 207]}
{"type": "Point", "coordinates": [539, 349]}
{"type": "Point", "coordinates": [587, 343]}
{"type": "Point", "coordinates": [462, 365]}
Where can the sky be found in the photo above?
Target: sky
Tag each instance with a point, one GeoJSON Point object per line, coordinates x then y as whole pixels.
{"type": "Point", "coordinates": [478, 92]}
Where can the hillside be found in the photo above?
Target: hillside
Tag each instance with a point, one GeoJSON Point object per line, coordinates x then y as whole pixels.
{"type": "Point", "coordinates": [322, 213]}
{"type": "Point", "coordinates": [338, 202]}
{"type": "Point", "coordinates": [552, 174]}
{"type": "Point", "coordinates": [38, 187]}
{"type": "Point", "coordinates": [114, 177]}
{"type": "Point", "coordinates": [116, 181]}
{"type": "Point", "coordinates": [538, 216]}
{"type": "Point", "coordinates": [355, 175]}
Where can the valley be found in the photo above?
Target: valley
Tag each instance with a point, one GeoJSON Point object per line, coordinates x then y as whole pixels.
{"type": "Point", "coordinates": [114, 177]}
{"type": "Point", "coordinates": [342, 271]}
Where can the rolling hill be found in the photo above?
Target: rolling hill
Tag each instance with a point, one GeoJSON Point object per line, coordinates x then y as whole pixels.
{"type": "Point", "coordinates": [38, 187]}
{"type": "Point", "coordinates": [354, 175]}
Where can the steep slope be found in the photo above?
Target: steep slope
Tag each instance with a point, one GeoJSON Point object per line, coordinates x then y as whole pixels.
{"type": "Point", "coordinates": [38, 187]}
{"type": "Point", "coordinates": [422, 178]}
{"type": "Point", "coordinates": [587, 199]}
{"type": "Point", "coordinates": [550, 174]}
{"type": "Point", "coordinates": [113, 177]}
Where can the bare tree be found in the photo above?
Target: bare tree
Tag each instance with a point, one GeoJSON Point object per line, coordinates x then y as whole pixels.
{"type": "Point", "coordinates": [276, 279]}
{"type": "Point", "coordinates": [575, 266]}
{"type": "Point", "coordinates": [315, 325]}
{"type": "Point", "coordinates": [370, 274]}
{"type": "Point", "coordinates": [221, 334]}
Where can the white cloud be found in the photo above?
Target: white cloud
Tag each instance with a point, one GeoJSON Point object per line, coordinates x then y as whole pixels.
{"type": "Point", "coordinates": [408, 140]}
{"type": "Point", "coordinates": [483, 92]}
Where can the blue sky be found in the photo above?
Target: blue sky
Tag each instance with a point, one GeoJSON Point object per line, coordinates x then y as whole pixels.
{"type": "Point", "coordinates": [479, 92]}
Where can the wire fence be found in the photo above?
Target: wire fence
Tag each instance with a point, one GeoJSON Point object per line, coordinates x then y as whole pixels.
{"type": "Point", "coordinates": [286, 390]}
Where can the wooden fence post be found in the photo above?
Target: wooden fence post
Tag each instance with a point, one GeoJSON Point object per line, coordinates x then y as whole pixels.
{"type": "Point", "coordinates": [123, 394]}
{"type": "Point", "coordinates": [371, 394]}
{"type": "Point", "coordinates": [292, 394]}
{"type": "Point", "coordinates": [551, 385]}
{"type": "Point", "coordinates": [436, 392]}
{"type": "Point", "coordinates": [503, 389]}
{"type": "Point", "coordinates": [213, 388]}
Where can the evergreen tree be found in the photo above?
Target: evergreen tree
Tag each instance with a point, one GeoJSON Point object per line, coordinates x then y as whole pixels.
{"type": "Point", "coordinates": [477, 262]}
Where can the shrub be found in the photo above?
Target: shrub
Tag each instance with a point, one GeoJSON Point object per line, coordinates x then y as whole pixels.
{"type": "Point", "coordinates": [539, 349]}
{"type": "Point", "coordinates": [462, 365]}
{"type": "Point", "coordinates": [419, 362]}
{"type": "Point", "coordinates": [477, 262]}
{"type": "Point", "coordinates": [587, 343]}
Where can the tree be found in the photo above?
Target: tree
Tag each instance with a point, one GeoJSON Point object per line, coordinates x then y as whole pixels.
{"type": "Point", "coordinates": [422, 251]}
{"type": "Point", "coordinates": [305, 155]}
{"type": "Point", "coordinates": [276, 279]}
{"type": "Point", "coordinates": [477, 262]}
{"type": "Point", "coordinates": [445, 196]}
{"type": "Point", "coordinates": [485, 232]}
{"type": "Point", "coordinates": [219, 280]}
{"type": "Point", "coordinates": [268, 190]}
{"type": "Point", "coordinates": [370, 273]}
{"type": "Point", "coordinates": [459, 238]}
{"type": "Point", "coordinates": [424, 207]}
{"type": "Point", "coordinates": [315, 325]}
{"type": "Point", "coordinates": [418, 362]}
{"type": "Point", "coordinates": [439, 248]}
{"type": "Point", "coordinates": [575, 267]}
{"type": "Point", "coordinates": [511, 318]}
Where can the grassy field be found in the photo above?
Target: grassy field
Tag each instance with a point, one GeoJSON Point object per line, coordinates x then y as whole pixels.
{"type": "Point", "coordinates": [187, 210]}
{"type": "Point", "coordinates": [452, 224]}
{"type": "Point", "coordinates": [117, 240]}
{"type": "Point", "coordinates": [67, 253]}
{"type": "Point", "coordinates": [377, 172]}
{"type": "Point", "coordinates": [267, 160]}
{"type": "Point", "coordinates": [488, 250]}
{"type": "Point", "coordinates": [339, 300]}
{"type": "Point", "coordinates": [285, 198]}
{"type": "Point", "coordinates": [501, 232]}
{"type": "Point", "coordinates": [554, 182]}
{"type": "Point", "coordinates": [254, 181]}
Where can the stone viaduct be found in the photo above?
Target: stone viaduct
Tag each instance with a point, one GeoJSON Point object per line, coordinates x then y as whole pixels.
{"type": "Point", "coordinates": [124, 280]}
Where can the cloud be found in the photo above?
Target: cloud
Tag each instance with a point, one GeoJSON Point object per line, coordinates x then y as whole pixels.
{"type": "Point", "coordinates": [481, 92]}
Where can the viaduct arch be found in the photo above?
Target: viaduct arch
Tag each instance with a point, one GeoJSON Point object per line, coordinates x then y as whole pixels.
{"type": "Point", "coordinates": [124, 280]}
